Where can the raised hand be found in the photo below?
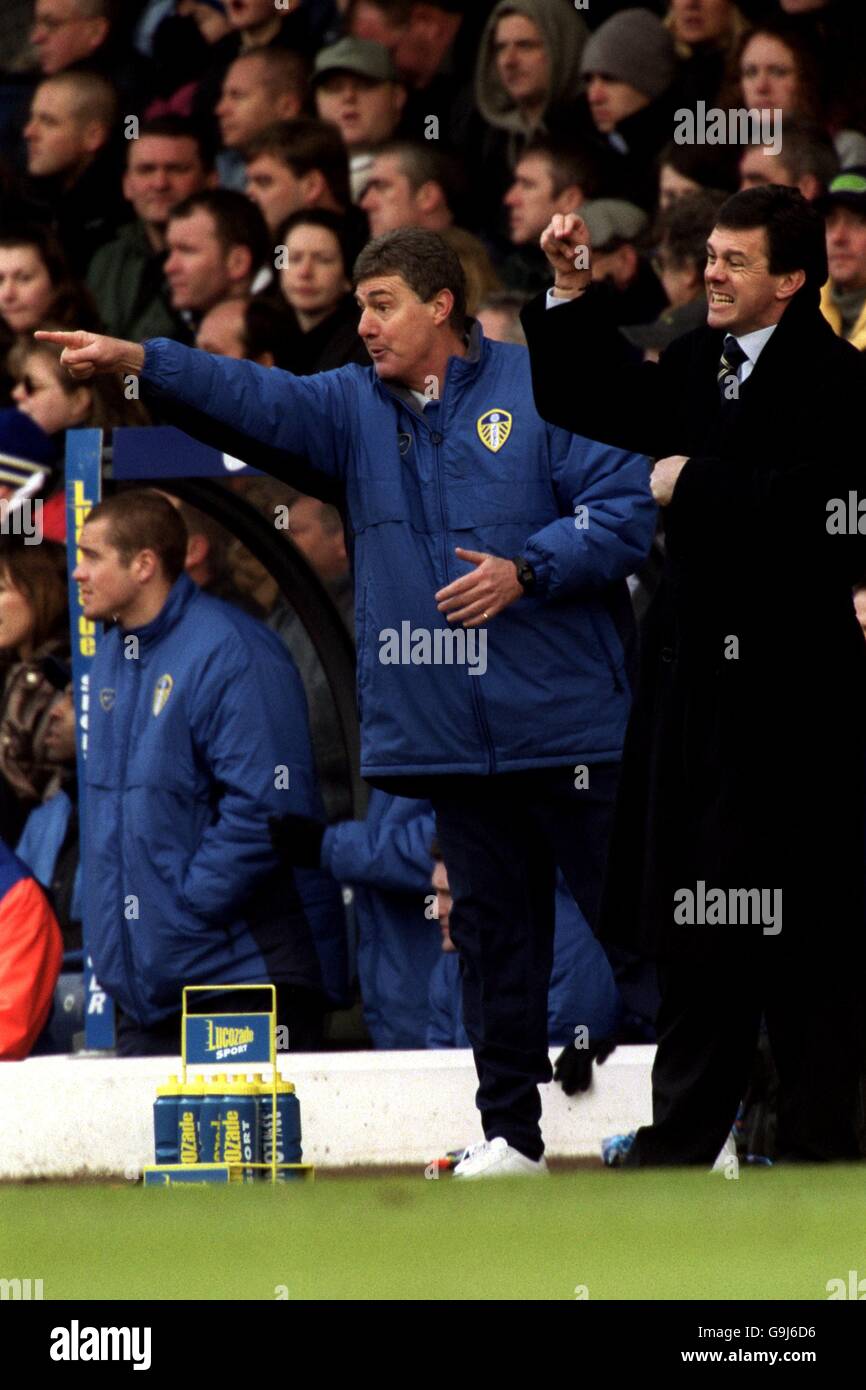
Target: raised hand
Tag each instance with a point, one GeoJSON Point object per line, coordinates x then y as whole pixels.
{"type": "Point", "coordinates": [87, 354]}
{"type": "Point", "coordinates": [566, 244]}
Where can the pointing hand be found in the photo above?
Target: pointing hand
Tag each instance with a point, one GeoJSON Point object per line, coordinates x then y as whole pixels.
{"type": "Point", "coordinates": [88, 354]}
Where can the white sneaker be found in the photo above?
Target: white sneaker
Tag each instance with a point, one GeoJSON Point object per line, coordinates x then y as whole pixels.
{"type": "Point", "coordinates": [495, 1158]}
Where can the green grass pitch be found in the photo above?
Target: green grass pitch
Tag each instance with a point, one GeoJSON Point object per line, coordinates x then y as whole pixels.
{"type": "Point", "coordinates": [770, 1234]}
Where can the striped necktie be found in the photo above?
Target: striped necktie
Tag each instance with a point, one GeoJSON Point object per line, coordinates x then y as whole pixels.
{"type": "Point", "coordinates": [731, 360]}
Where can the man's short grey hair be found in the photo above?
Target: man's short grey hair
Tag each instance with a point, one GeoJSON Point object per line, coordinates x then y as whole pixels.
{"type": "Point", "coordinates": [424, 260]}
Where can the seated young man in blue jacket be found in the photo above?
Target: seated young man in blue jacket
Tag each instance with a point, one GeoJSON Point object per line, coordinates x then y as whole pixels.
{"type": "Point", "coordinates": [582, 993]}
{"type": "Point", "coordinates": [197, 734]}
{"type": "Point", "coordinates": [493, 620]}
{"type": "Point", "coordinates": [385, 860]}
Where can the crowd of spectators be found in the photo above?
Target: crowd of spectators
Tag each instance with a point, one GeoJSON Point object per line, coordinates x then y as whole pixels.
{"type": "Point", "coordinates": [208, 171]}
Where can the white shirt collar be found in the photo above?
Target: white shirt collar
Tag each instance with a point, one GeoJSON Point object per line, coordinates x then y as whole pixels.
{"type": "Point", "coordinates": [753, 344]}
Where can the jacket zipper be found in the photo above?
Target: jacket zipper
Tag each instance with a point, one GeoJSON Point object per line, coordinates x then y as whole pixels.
{"type": "Point", "coordinates": [474, 693]}
{"type": "Point", "coordinates": [124, 928]}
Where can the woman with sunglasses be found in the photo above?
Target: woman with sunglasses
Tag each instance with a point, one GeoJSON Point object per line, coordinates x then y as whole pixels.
{"type": "Point", "coordinates": [52, 404]}
{"type": "Point", "coordinates": [45, 392]}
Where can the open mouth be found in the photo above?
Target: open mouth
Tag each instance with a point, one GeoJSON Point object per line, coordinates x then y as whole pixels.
{"type": "Point", "coordinates": [720, 298]}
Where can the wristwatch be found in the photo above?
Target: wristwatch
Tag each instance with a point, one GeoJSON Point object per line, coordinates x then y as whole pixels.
{"type": "Point", "coordinates": [525, 573]}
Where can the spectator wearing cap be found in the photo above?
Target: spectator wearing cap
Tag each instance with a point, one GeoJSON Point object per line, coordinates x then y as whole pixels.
{"type": "Point", "coordinates": [679, 261]}
{"type": "Point", "coordinates": [73, 162]}
{"type": "Point", "coordinates": [358, 90]}
{"type": "Point", "coordinates": [549, 177]}
{"type": "Point", "coordinates": [807, 160]}
{"type": "Point", "coordinates": [527, 82]}
{"type": "Point", "coordinates": [843, 298]}
{"type": "Point", "coordinates": [33, 626]}
{"type": "Point", "coordinates": [263, 85]}
{"type": "Point", "coordinates": [299, 164]}
{"type": "Point", "coordinates": [629, 67]}
{"type": "Point", "coordinates": [434, 47]}
{"type": "Point", "coordinates": [171, 160]}
{"type": "Point", "coordinates": [218, 245]}
{"type": "Point", "coordinates": [619, 231]}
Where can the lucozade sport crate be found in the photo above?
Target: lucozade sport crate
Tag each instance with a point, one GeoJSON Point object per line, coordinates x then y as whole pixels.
{"type": "Point", "coordinates": [227, 1128]}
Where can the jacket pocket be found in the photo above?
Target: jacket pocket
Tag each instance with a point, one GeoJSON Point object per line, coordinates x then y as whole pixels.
{"type": "Point", "coordinates": [609, 646]}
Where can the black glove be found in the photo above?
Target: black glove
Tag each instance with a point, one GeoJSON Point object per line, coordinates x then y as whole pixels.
{"type": "Point", "coordinates": [297, 840]}
{"type": "Point", "coordinates": [573, 1067]}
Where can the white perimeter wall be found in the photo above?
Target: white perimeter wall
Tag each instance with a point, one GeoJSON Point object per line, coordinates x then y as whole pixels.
{"type": "Point", "coordinates": [79, 1116]}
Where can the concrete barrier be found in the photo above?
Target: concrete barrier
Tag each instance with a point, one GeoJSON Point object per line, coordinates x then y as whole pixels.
{"type": "Point", "coordinates": [78, 1117]}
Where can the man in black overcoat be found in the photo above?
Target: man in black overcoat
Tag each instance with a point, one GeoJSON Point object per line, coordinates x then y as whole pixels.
{"type": "Point", "coordinates": [745, 761]}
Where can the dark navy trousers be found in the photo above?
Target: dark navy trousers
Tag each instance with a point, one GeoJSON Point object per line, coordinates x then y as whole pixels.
{"type": "Point", "coordinates": [501, 838]}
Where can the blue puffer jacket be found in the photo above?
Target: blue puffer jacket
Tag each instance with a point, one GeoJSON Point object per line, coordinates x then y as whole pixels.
{"type": "Point", "coordinates": [582, 986]}
{"type": "Point", "coordinates": [480, 469]}
{"type": "Point", "coordinates": [386, 860]}
{"type": "Point", "coordinates": [190, 745]}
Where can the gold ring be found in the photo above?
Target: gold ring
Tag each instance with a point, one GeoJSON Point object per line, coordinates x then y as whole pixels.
{"type": "Point", "coordinates": [486, 616]}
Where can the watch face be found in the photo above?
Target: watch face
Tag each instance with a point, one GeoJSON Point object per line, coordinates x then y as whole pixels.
{"type": "Point", "coordinates": [525, 573]}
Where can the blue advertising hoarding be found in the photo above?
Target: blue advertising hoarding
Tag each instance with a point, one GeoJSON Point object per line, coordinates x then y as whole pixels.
{"type": "Point", "coordinates": [83, 491]}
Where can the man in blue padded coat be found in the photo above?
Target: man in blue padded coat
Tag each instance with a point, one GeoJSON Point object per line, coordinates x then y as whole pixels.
{"type": "Point", "coordinates": [493, 620]}
{"type": "Point", "coordinates": [197, 733]}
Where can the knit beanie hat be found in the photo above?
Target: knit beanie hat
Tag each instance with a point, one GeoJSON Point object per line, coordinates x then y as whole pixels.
{"type": "Point", "coordinates": [634, 47]}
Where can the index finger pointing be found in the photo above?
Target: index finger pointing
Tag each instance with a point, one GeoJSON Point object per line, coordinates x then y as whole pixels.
{"type": "Point", "coordinates": [65, 339]}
